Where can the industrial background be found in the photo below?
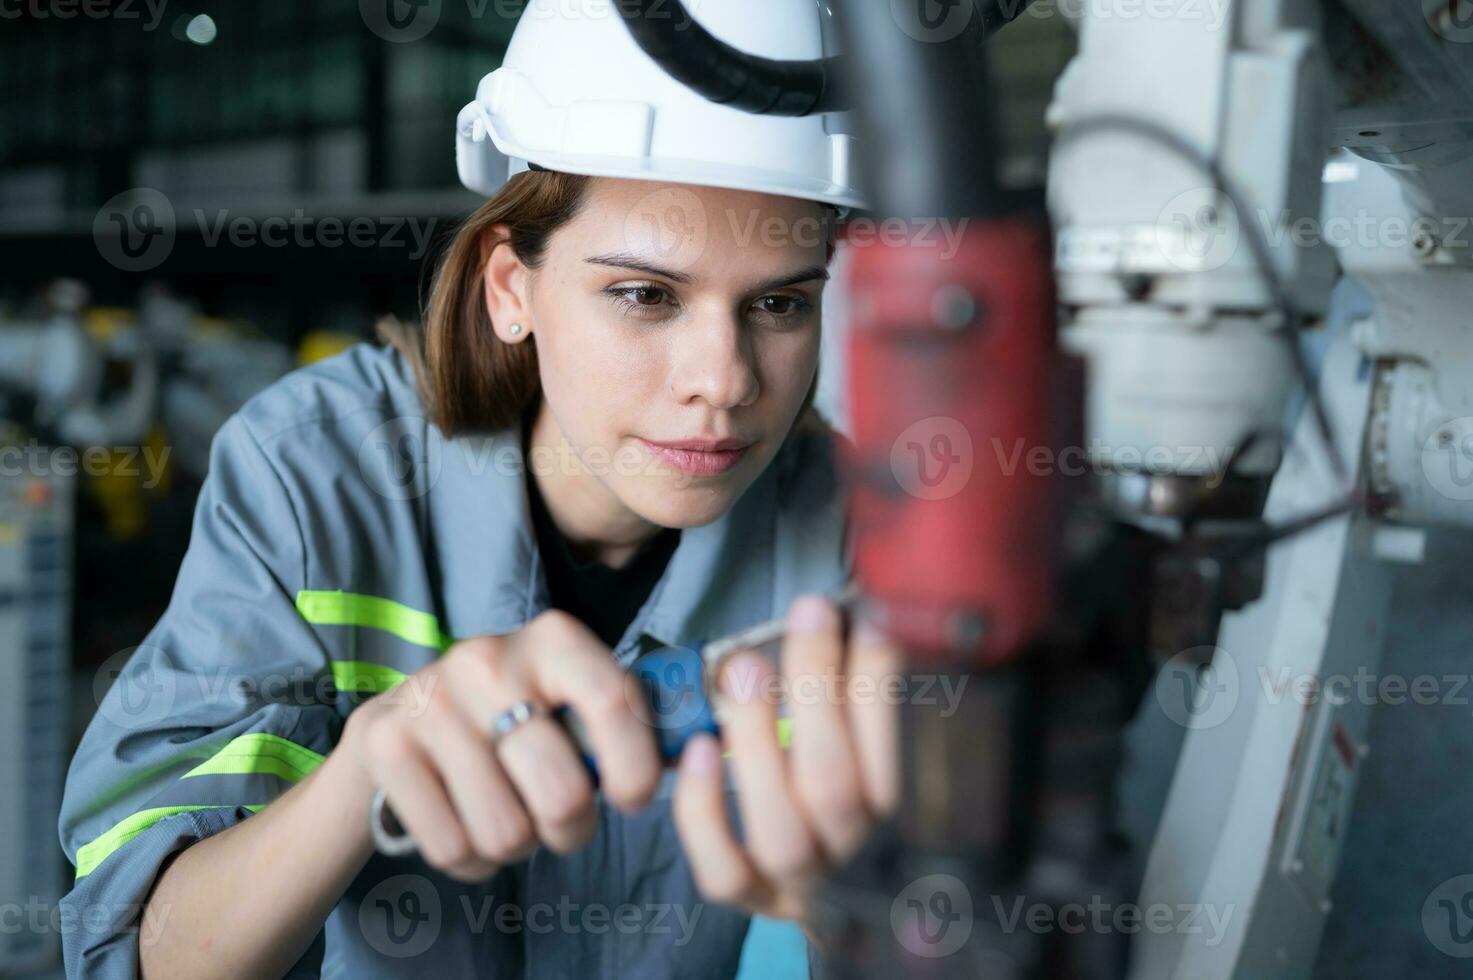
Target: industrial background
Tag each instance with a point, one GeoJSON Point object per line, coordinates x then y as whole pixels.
{"type": "Point", "coordinates": [116, 367]}
{"type": "Point", "coordinates": [286, 174]}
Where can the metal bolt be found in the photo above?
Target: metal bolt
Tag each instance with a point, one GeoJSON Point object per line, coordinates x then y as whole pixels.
{"type": "Point", "coordinates": [953, 307]}
{"type": "Point", "coordinates": [967, 630]}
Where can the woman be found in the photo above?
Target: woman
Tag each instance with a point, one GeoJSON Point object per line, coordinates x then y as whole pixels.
{"type": "Point", "coordinates": [403, 559]}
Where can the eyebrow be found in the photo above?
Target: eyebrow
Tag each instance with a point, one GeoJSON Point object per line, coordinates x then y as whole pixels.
{"type": "Point", "coordinates": [625, 260]}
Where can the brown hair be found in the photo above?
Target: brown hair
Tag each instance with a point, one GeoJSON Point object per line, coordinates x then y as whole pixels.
{"type": "Point", "coordinates": [469, 379]}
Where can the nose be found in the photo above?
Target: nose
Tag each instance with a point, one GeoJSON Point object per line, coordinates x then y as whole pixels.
{"type": "Point", "coordinates": [715, 363]}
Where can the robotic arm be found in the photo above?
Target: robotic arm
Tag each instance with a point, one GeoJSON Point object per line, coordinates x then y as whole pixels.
{"type": "Point", "coordinates": [1214, 538]}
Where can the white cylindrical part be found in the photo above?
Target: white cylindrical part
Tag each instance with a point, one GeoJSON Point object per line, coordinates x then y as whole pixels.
{"type": "Point", "coordinates": [1169, 395]}
{"type": "Point", "coordinates": [1421, 450]}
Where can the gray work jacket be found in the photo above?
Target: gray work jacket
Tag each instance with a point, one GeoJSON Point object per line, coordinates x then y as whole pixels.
{"type": "Point", "coordinates": [340, 542]}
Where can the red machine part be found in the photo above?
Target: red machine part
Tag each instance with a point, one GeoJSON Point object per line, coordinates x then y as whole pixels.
{"type": "Point", "coordinates": [952, 361]}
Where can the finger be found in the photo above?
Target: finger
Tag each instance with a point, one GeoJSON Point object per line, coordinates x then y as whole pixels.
{"type": "Point", "coordinates": [777, 835]}
{"type": "Point", "coordinates": [570, 665]}
{"type": "Point", "coordinates": [874, 718]}
{"type": "Point", "coordinates": [825, 772]}
{"type": "Point", "coordinates": [539, 759]}
{"type": "Point", "coordinates": [420, 803]}
{"type": "Point", "coordinates": [552, 781]}
{"type": "Point", "coordinates": [494, 818]}
{"type": "Point", "coordinates": [721, 869]}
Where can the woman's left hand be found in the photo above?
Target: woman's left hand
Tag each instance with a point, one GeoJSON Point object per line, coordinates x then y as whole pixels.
{"type": "Point", "coordinates": [806, 809]}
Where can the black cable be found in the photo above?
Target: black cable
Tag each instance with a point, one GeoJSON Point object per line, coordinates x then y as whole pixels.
{"type": "Point", "coordinates": [1257, 243]}
{"type": "Point", "coordinates": [1259, 247]}
{"type": "Point", "coordinates": [694, 56]}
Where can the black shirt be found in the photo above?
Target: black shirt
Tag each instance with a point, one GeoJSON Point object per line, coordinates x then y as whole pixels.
{"type": "Point", "coordinates": [605, 599]}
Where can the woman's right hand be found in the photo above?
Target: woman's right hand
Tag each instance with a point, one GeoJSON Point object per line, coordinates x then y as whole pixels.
{"type": "Point", "coordinates": [472, 804]}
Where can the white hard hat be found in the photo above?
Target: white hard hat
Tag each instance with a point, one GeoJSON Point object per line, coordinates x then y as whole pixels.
{"type": "Point", "coordinates": [576, 93]}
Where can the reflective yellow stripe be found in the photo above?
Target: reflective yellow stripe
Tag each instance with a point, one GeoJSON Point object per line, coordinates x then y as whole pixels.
{"type": "Point", "coordinates": [364, 677]}
{"type": "Point", "coordinates": [353, 609]}
{"type": "Point", "coordinates": [259, 752]}
{"type": "Point", "coordinates": [94, 852]}
{"type": "Point", "coordinates": [784, 735]}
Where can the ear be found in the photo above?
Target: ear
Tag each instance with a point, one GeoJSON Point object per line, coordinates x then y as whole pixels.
{"type": "Point", "coordinates": [506, 288]}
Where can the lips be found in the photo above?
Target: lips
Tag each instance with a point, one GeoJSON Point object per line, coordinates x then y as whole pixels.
{"type": "Point", "coordinates": [708, 457]}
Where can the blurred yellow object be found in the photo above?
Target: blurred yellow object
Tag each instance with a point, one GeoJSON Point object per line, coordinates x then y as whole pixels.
{"type": "Point", "coordinates": [126, 476]}
{"type": "Point", "coordinates": [320, 344]}
{"type": "Point", "coordinates": [120, 495]}
{"type": "Point", "coordinates": [158, 449]}
{"type": "Point", "coordinates": [102, 322]}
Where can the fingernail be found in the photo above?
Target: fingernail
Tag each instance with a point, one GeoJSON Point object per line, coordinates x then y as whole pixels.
{"type": "Point", "coordinates": [700, 757]}
{"type": "Point", "coordinates": [741, 674]}
{"type": "Point", "coordinates": [809, 614]}
{"type": "Point", "coordinates": [868, 633]}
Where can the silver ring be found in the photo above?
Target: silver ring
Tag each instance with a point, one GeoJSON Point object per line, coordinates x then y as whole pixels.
{"type": "Point", "coordinates": [388, 835]}
{"type": "Point", "coordinates": [513, 718]}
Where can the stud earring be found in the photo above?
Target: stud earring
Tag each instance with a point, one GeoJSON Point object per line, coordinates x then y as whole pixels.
{"type": "Point", "coordinates": [516, 328]}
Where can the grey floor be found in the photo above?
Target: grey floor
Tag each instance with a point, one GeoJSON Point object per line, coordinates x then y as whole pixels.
{"type": "Point", "coordinates": [1412, 824]}
{"type": "Point", "coordinates": [1412, 827]}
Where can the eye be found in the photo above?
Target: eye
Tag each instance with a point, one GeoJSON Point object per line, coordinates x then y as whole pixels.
{"type": "Point", "coordinates": [648, 295]}
{"type": "Point", "coordinates": [642, 299]}
{"type": "Point", "coordinates": [784, 307]}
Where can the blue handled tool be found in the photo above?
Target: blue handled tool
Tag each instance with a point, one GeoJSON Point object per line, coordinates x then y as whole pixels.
{"type": "Point", "coordinates": [675, 682]}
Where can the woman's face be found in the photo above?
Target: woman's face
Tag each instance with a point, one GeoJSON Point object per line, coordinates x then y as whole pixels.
{"type": "Point", "coordinates": [675, 313]}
